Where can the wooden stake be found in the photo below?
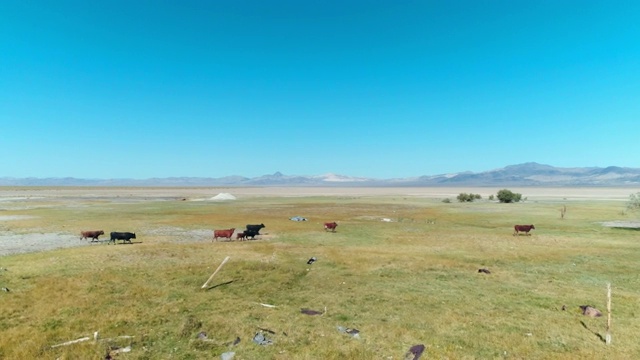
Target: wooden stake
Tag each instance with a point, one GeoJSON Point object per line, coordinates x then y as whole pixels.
{"type": "Point", "coordinates": [215, 272]}
{"type": "Point", "coordinates": [71, 342]}
{"type": "Point", "coordinates": [608, 336]}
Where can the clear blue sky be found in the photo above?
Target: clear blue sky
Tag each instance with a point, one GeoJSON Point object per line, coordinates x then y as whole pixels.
{"type": "Point", "coordinates": [385, 89]}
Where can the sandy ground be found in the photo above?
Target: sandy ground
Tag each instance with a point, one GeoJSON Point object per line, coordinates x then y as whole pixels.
{"type": "Point", "coordinates": [20, 198]}
{"type": "Point", "coordinates": [11, 243]}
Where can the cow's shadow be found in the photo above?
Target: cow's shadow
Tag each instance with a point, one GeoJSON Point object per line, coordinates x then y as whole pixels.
{"type": "Point", "coordinates": [118, 242]}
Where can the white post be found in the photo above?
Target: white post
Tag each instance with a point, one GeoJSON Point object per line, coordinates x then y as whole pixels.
{"type": "Point", "coordinates": [215, 272]}
{"type": "Point", "coordinates": [71, 342]}
{"type": "Point", "coordinates": [608, 336]}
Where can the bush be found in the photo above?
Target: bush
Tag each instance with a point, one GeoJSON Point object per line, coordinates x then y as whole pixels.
{"type": "Point", "coordinates": [507, 196]}
{"type": "Point", "coordinates": [464, 197]}
{"type": "Point", "coordinates": [446, 201]}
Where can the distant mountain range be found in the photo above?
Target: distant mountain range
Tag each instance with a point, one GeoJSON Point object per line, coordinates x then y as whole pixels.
{"type": "Point", "coordinates": [528, 174]}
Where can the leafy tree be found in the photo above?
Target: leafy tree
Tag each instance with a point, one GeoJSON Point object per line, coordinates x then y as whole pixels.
{"type": "Point", "coordinates": [507, 196]}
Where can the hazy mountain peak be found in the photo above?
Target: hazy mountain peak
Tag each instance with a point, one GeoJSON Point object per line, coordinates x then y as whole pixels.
{"type": "Point", "coordinates": [525, 174]}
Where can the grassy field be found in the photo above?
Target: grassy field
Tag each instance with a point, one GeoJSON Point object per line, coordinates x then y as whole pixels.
{"type": "Point", "coordinates": [411, 280]}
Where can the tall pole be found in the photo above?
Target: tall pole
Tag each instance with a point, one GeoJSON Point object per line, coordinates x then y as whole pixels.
{"type": "Point", "coordinates": [608, 336]}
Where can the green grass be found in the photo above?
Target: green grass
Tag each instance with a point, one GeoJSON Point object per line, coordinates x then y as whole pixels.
{"type": "Point", "coordinates": [401, 283]}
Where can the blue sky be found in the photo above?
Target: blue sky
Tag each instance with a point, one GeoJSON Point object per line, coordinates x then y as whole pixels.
{"type": "Point", "coordinates": [385, 89]}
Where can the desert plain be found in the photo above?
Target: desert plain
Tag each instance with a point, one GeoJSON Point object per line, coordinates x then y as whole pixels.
{"type": "Point", "coordinates": [403, 268]}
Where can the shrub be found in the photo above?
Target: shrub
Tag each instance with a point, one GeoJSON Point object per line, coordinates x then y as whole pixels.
{"type": "Point", "coordinates": [464, 197]}
{"type": "Point", "coordinates": [446, 201]}
{"type": "Point", "coordinates": [507, 196]}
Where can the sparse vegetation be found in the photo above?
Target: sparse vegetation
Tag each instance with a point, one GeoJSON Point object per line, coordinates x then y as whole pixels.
{"type": "Point", "coordinates": [400, 283]}
{"type": "Point", "coordinates": [507, 196]}
{"type": "Point", "coordinates": [634, 202]}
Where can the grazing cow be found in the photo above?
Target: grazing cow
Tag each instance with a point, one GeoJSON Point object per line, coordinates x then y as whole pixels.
{"type": "Point", "coordinates": [330, 226]}
{"type": "Point", "coordinates": [91, 234]}
{"type": "Point", "coordinates": [250, 234]}
{"type": "Point", "coordinates": [255, 228]}
{"type": "Point", "coordinates": [523, 228]}
{"type": "Point", "coordinates": [240, 236]}
{"type": "Point", "coordinates": [228, 233]}
{"type": "Point", "coordinates": [124, 236]}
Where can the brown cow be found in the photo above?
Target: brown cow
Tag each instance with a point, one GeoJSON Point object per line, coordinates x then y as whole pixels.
{"type": "Point", "coordinates": [330, 226]}
{"type": "Point", "coordinates": [223, 234]}
{"type": "Point", "coordinates": [93, 234]}
{"type": "Point", "coordinates": [240, 236]}
{"type": "Point", "coordinates": [523, 228]}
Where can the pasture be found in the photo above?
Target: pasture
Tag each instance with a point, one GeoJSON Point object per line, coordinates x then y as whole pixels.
{"type": "Point", "coordinates": [402, 268]}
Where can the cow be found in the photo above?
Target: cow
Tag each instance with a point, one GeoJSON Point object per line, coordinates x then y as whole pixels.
{"type": "Point", "coordinates": [250, 234]}
{"type": "Point", "coordinates": [255, 228]}
{"type": "Point", "coordinates": [330, 226]}
{"type": "Point", "coordinates": [228, 233]}
{"type": "Point", "coordinates": [523, 228]}
{"type": "Point", "coordinates": [240, 236]}
{"type": "Point", "coordinates": [91, 234]}
{"type": "Point", "coordinates": [124, 236]}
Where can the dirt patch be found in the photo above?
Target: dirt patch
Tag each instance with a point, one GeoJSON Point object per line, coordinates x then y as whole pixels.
{"type": "Point", "coordinates": [178, 234]}
{"type": "Point", "coordinates": [622, 224]}
{"type": "Point", "coordinates": [15, 217]}
{"type": "Point", "coordinates": [11, 243]}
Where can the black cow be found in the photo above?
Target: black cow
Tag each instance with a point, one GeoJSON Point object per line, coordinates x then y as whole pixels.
{"type": "Point", "coordinates": [125, 236]}
{"type": "Point", "coordinates": [255, 228]}
{"type": "Point", "coordinates": [250, 234]}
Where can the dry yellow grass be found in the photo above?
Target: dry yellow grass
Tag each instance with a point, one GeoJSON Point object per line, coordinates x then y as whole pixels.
{"type": "Point", "coordinates": [408, 281]}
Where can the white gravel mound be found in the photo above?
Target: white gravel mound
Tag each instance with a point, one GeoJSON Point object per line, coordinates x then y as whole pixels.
{"type": "Point", "coordinates": [223, 197]}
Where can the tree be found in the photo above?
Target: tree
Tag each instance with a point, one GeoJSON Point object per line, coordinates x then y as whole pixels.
{"type": "Point", "coordinates": [507, 196]}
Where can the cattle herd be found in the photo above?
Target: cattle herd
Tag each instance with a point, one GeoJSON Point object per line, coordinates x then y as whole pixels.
{"type": "Point", "coordinates": [95, 234]}
{"type": "Point", "coordinates": [250, 232]}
